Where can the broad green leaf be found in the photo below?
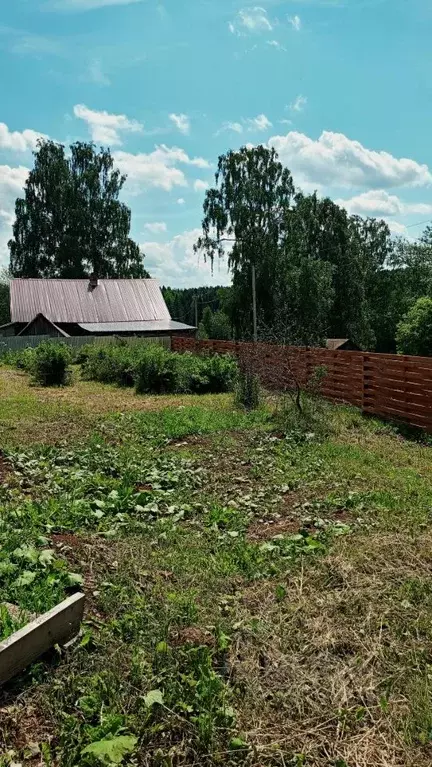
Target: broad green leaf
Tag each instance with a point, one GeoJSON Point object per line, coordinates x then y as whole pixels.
{"type": "Point", "coordinates": [7, 567]}
{"type": "Point", "coordinates": [30, 553]}
{"type": "Point", "coordinates": [25, 578]}
{"type": "Point", "coordinates": [75, 579]}
{"type": "Point", "coordinates": [112, 751]}
{"type": "Point", "coordinates": [152, 697]}
{"type": "Point", "coordinates": [46, 556]}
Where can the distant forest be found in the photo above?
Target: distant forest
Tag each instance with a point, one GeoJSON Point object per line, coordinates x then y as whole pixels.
{"type": "Point", "coordinates": [320, 272]}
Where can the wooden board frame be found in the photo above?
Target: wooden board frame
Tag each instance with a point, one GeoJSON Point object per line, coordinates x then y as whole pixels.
{"type": "Point", "coordinates": [57, 626]}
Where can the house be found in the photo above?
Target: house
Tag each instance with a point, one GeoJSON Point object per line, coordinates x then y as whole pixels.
{"type": "Point", "coordinates": [90, 307]}
{"type": "Point", "coordinates": [342, 345]}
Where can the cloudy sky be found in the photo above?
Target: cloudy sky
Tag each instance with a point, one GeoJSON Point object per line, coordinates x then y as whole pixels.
{"type": "Point", "coordinates": [341, 88]}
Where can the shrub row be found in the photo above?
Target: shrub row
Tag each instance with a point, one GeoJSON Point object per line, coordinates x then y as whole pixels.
{"type": "Point", "coordinates": [152, 369]}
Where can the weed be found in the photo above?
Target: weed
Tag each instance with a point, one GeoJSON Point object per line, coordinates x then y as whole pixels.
{"type": "Point", "coordinates": [252, 599]}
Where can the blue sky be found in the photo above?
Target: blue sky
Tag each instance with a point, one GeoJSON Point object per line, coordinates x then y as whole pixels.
{"type": "Point", "coordinates": [341, 88]}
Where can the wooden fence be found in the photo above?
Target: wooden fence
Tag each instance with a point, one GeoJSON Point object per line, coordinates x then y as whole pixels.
{"type": "Point", "coordinates": [392, 386]}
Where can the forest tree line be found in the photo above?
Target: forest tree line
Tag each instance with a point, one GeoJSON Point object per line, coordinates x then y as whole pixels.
{"type": "Point", "coordinates": [320, 272]}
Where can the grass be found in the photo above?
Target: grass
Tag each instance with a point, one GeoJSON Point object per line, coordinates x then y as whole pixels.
{"type": "Point", "coordinates": [252, 599]}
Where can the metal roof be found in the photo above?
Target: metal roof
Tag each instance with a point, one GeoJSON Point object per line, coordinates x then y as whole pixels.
{"type": "Point", "coordinates": [72, 301]}
{"type": "Point", "coordinates": [134, 327]}
{"type": "Point", "coordinates": [334, 343]}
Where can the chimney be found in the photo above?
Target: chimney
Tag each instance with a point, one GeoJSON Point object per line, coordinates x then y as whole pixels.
{"type": "Point", "coordinates": [93, 282]}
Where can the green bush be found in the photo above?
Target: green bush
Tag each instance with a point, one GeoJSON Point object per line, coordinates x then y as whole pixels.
{"type": "Point", "coordinates": [109, 364]}
{"type": "Point", "coordinates": [153, 369]}
{"type": "Point", "coordinates": [156, 371]}
{"type": "Point", "coordinates": [20, 358]}
{"type": "Point", "coordinates": [49, 364]}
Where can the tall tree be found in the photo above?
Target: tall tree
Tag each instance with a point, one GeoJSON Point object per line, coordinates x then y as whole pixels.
{"type": "Point", "coordinates": [244, 217]}
{"type": "Point", "coordinates": [71, 222]}
{"type": "Point", "coordinates": [407, 277]}
{"type": "Point", "coordinates": [414, 331]}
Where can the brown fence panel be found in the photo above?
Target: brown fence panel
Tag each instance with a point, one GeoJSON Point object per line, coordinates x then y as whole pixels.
{"type": "Point", "coordinates": [392, 386]}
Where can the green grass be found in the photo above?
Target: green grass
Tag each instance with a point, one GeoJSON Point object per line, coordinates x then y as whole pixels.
{"type": "Point", "coordinates": [253, 598]}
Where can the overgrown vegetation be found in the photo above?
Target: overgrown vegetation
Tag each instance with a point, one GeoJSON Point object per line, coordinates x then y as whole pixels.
{"type": "Point", "coordinates": [153, 369]}
{"type": "Point", "coordinates": [49, 363]}
{"type": "Point", "coordinates": [252, 598]}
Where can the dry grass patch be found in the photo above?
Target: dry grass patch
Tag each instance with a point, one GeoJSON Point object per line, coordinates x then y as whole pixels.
{"type": "Point", "coordinates": [334, 663]}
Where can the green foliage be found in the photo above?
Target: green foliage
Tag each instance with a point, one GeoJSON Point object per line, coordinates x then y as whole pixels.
{"type": "Point", "coordinates": [397, 288]}
{"type": "Point", "coordinates": [33, 577]}
{"type": "Point", "coordinates": [8, 623]}
{"type": "Point", "coordinates": [205, 596]}
{"type": "Point", "coordinates": [155, 370]}
{"type": "Point", "coordinates": [49, 363]}
{"type": "Point", "coordinates": [111, 750]}
{"type": "Point", "coordinates": [414, 331]}
{"type": "Point", "coordinates": [181, 302]}
{"type": "Point", "coordinates": [4, 302]}
{"type": "Point", "coordinates": [308, 253]}
{"type": "Point", "coordinates": [70, 222]}
{"type": "Point", "coordinates": [248, 390]}
{"type": "Point", "coordinates": [304, 416]}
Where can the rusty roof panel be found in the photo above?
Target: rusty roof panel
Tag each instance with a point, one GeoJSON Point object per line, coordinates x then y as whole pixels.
{"type": "Point", "coordinates": [73, 301]}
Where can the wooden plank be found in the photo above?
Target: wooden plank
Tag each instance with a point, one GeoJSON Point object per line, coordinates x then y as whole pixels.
{"type": "Point", "coordinates": [407, 405]}
{"type": "Point", "coordinates": [407, 397]}
{"type": "Point", "coordinates": [398, 370]}
{"type": "Point", "coordinates": [351, 388]}
{"type": "Point", "coordinates": [56, 626]}
{"type": "Point", "coordinates": [399, 415]}
{"type": "Point", "coordinates": [398, 377]}
{"type": "Point", "coordinates": [407, 363]}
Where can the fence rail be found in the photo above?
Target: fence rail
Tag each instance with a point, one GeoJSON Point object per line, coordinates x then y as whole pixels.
{"type": "Point", "coordinates": [16, 343]}
{"type": "Point", "coordinates": [391, 386]}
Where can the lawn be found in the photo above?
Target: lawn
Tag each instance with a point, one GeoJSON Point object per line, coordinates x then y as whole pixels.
{"type": "Point", "coordinates": [253, 597]}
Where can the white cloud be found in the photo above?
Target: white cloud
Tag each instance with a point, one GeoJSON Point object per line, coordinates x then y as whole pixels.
{"type": "Point", "coordinates": [231, 126]}
{"type": "Point", "coordinates": [96, 74]}
{"type": "Point", "coordinates": [200, 186]}
{"type": "Point", "coordinates": [181, 122]}
{"type": "Point", "coordinates": [104, 127]}
{"type": "Point", "coordinates": [176, 264]}
{"type": "Point", "coordinates": [285, 122]}
{"type": "Point", "coordinates": [181, 201]}
{"type": "Point", "coordinates": [276, 44]}
{"type": "Point", "coordinates": [84, 5]}
{"type": "Point", "coordinates": [18, 141]}
{"type": "Point", "coordinates": [378, 203]}
{"type": "Point", "coordinates": [252, 20]}
{"type": "Point", "coordinates": [295, 22]}
{"type": "Point", "coordinates": [156, 227]}
{"type": "Point", "coordinates": [335, 160]}
{"type": "Point", "coordinates": [12, 181]}
{"type": "Point", "coordinates": [259, 123]}
{"type": "Point", "coordinates": [397, 228]}
{"type": "Point", "coordinates": [156, 169]}
{"type": "Point", "coordinates": [299, 104]}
